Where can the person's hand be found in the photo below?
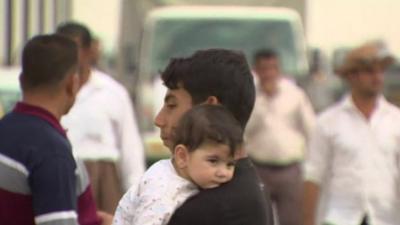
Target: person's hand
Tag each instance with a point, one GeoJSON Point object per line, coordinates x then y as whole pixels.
{"type": "Point", "coordinates": [106, 218]}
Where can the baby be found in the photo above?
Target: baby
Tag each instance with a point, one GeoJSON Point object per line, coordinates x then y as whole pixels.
{"type": "Point", "coordinates": [205, 143]}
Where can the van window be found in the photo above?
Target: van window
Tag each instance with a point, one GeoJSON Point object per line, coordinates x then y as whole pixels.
{"type": "Point", "coordinates": [182, 37]}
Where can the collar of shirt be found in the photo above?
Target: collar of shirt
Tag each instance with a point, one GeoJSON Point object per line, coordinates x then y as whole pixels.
{"type": "Point", "coordinates": [92, 85]}
{"type": "Point", "coordinates": [28, 109]}
{"type": "Point", "coordinates": [381, 107]}
{"type": "Point", "coordinates": [284, 85]}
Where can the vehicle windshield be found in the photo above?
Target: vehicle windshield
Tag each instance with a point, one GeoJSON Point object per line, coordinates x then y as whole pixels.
{"type": "Point", "coordinates": [177, 38]}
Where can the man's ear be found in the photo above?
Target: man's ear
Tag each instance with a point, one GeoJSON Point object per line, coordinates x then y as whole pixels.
{"type": "Point", "coordinates": [212, 100]}
{"type": "Point", "coordinates": [22, 81]}
{"type": "Point", "coordinates": [181, 156]}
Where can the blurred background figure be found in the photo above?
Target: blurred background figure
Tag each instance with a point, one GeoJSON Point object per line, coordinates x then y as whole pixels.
{"type": "Point", "coordinates": [102, 126]}
{"type": "Point", "coordinates": [319, 83]}
{"type": "Point", "coordinates": [96, 52]}
{"type": "Point", "coordinates": [277, 134]}
{"type": "Point", "coordinates": [352, 171]}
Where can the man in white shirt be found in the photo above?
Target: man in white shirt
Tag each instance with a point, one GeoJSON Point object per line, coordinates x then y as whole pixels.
{"type": "Point", "coordinates": [102, 127]}
{"type": "Point", "coordinates": [276, 136]}
{"type": "Point", "coordinates": [351, 168]}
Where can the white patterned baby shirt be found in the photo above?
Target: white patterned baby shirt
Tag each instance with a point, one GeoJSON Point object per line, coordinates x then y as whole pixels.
{"type": "Point", "coordinates": [160, 192]}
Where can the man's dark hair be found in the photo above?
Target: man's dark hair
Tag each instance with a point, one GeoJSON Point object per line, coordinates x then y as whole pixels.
{"type": "Point", "coordinates": [47, 60]}
{"type": "Point", "coordinates": [221, 73]}
{"type": "Point", "coordinates": [73, 30]}
{"type": "Point", "coordinates": [208, 124]}
{"type": "Point", "coordinates": [265, 54]}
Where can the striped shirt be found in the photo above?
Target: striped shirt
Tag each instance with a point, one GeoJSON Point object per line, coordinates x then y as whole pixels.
{"type": "Point", "coordinates": [40, 181]}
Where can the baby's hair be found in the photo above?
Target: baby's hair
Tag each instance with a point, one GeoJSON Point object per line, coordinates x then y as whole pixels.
{"type": "Point", "coordinates": [208, 124]}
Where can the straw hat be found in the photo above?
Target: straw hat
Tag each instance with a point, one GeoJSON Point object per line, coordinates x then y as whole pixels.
{"type": "Point", "coordinates": [364, 57]}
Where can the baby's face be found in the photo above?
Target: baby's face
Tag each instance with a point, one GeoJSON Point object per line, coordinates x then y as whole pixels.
{"type": "Point", "coordinates": [210, 165]}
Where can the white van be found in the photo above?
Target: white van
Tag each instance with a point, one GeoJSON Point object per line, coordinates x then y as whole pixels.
{"type": "Point", "coordinates": [179, 31]}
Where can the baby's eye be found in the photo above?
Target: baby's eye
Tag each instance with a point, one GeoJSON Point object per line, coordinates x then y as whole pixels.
{"type": "Point", "coordinates": [212, 160]}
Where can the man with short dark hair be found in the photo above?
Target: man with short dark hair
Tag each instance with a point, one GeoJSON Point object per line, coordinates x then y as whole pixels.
{"type": "Point", "coordinates": [214, 76]}
{"type": "Point", "coordinates": [40, 180]}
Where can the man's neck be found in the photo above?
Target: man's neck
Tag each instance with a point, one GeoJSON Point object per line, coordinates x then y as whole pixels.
{"type": "Point", "coordinates": [270, 93]}
{"type": "Point", "coordinates": [85, 76]}
{"type": "Point", "coordinates": [366, 104]}
{"type": "Point", "coordinates": [270, 90]}
{"type": "Point", "coordinates": [51, 105]}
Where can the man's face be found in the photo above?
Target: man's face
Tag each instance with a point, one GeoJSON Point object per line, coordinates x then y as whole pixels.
{"type": "Point", "coordinates": [176, 103]}
{"type": "Point", "coordinates": [72, 88]}
{"type": "Point", "coordinates": [84, 59]}
{"type": "Point", "coordinates": [268, 73]}
{"type": "Point", "coordinates": [368, 82]}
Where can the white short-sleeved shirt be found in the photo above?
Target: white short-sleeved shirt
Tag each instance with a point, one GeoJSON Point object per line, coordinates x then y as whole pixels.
{"type": "Point", "coordinates": [288, 115]}
{"type": "Point", "coordinates": [160, 192]}
{"type": "Point", "coordinates": [355, 162]}
{"type": "Point", "coordinates": [102, 126]}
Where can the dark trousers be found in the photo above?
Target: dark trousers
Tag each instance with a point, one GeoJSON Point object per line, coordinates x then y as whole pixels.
{"type": "Point", "coordinates": [365, 221]}
{"type": "Point", "coordinates": [284, 184]}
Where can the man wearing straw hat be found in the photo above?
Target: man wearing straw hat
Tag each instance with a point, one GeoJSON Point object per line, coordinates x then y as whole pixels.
{"type": "Point", "coordinates": [351, 169]}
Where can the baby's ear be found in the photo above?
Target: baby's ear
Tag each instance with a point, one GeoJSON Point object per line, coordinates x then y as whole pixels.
{"type": "Point", "coordinates": [181, 156]}
{"type": "Point", "coordinates": [212, 100]}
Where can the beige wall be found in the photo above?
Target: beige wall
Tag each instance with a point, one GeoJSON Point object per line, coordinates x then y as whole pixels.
{"type": "Point", "coordinates": [333, 23]}
{"type": "Point", "coordinates": [102, 17]}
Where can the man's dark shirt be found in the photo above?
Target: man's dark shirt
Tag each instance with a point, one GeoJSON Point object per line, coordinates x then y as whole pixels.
{"type": "Point", "coordinates": [238, 202]}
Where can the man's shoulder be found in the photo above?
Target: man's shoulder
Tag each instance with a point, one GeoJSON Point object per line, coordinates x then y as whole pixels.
{"type": "Point", "coordinates": [291, 89]}
{"type": "Point", "coordinates": [29, 139]}
{"type": "Point", "coordinates": [393, 109]}
{"type": "Point", "coordinates": [331, 113]}
{"type": "Point", "coordinates": [107, 81]}
{"type": "Point", "coordinates": [30, 129]}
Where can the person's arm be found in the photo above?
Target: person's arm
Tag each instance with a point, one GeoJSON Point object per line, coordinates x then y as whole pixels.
{"type": "Point", "coordinates": [53, 187]}
{"type": "Point", "coordinates": [87, 210]}
{"type": "Point", "coordinates": [124, 212]}
{"type": "Point", "coordinates": [311, 196]}
{"type": "Point", "coordinates": [317, 166]}
{"type": "Point", "coordinates": [254, 123]}
{"type": "Point", "coordinates": [306, 117]}
{"type": "Point", "coordinates": [132, 160]}
{"type": "Point", "coordinates": [106, 218]}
